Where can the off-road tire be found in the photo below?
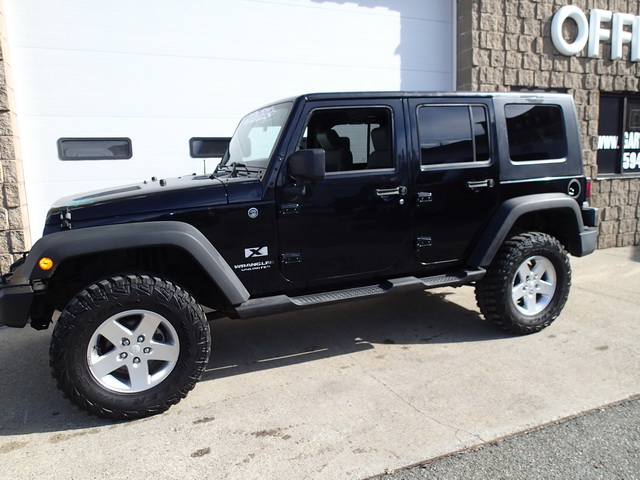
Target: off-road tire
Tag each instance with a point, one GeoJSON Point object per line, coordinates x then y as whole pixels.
{"type": "Point", "coordinates": [141, 321]}
{"type": "Point", "coordinates": [527, 284]}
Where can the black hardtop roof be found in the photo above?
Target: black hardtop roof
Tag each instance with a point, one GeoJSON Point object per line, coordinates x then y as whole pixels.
{"type": "Point", "coordinates": [431, 94]}
{"type": "Point", "coordinates": [525, 96]}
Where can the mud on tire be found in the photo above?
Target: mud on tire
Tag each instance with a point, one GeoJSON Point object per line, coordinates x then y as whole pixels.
{"type": "Point", "coordinates": [129, 347]}
{"type": "Point", "coordinates": [527, 284]}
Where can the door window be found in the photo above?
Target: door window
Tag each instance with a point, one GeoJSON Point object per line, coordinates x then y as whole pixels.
{"type": "Point", "coordinates": [453, 134]}
{"type": "Point", "coordinates": [353, 138]}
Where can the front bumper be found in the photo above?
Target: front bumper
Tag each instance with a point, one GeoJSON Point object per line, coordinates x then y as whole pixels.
{"type": "Point", "coordinates": [15, 304]}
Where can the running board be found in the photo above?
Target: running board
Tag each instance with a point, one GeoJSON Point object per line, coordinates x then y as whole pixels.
{"type": "Point", "coordinates": [282, 303]}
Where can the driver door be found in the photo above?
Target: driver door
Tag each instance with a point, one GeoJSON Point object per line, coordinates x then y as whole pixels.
{"type": "Point", "coordinates": [356, 221]}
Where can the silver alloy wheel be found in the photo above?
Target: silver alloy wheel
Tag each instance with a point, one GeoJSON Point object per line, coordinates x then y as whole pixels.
{"type": "Point", "coordinates": [133, 351]}
{"type": "Point", "coordinates": [534, 285]}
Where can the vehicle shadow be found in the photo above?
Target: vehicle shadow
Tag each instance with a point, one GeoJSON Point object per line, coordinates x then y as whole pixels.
{"type": "Point", "coordinates": [33, 404]}
{"type": "Point", "coordinates": [416, 318]}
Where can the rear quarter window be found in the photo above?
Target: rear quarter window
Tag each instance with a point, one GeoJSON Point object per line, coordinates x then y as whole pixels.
{"type": "Point", "coordinates": [535, 132]}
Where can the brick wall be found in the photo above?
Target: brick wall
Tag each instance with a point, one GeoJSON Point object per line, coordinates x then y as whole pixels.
{"type": "Point", "coordinates": [505, 45]}
{"type": "Point", "coordinates": [14, 236]}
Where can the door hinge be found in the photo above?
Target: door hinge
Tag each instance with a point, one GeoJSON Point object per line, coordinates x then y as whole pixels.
{"type": "Point", "coordinates": [65, 219]}
{"type": "Point", "coordinates": [289, 209]}
{"type": "Point", "coordinates": [424, 197]}
{"type": "Point", "coordinates": [423, 242]}
{"type": "Point", "coordinates": [290, 258]}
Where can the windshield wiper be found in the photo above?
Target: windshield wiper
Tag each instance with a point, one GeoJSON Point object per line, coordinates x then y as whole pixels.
{"type": "Point", "coordinates": [233, 168]}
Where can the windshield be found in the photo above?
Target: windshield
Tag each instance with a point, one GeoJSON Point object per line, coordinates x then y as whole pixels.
{"type": "Point", "coordinates": [256, 136]}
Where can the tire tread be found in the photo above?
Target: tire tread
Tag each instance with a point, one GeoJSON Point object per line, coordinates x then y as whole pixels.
{"type": "Point", "coordinates": [110, 290]}
{"type": "Point", "coordinates": [492, 292]}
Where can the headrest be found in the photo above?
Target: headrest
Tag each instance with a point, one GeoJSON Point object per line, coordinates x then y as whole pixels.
{"type": "Point", "coordinates": [380, 138]}
{"type": "Point", "coordinates": [329, 140]}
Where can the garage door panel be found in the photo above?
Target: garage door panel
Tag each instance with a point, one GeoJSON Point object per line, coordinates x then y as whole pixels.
{"type": "Point", "coordinates": [164, 72]}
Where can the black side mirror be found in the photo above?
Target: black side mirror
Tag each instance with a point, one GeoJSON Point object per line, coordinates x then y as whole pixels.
{"type": "Point", "coordinates": [305, 165]}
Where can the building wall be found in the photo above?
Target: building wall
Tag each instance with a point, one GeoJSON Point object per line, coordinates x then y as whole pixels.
{"type": "Point", "coordinates": [14, 231]}
{"type": "Point", "coordinates": [501, 45]}
{"type": "Point", "coordinates": [506, 45]}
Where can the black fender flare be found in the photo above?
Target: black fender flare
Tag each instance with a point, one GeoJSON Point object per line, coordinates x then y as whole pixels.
{"type": "Point", "coordinates": [67, 244]}
{"type": "Point", "coordinates": [512, 209]}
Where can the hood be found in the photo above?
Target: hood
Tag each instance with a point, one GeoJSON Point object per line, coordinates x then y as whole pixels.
{"type": "Point", "coordinates": [140, 202]}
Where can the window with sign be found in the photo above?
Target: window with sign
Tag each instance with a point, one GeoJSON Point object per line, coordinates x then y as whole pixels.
{"type": "Point", "coordinates": [619, 135]}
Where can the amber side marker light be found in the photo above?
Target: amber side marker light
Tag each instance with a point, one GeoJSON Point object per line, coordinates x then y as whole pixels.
{"type": "Point", "coordinates": [45, 263]}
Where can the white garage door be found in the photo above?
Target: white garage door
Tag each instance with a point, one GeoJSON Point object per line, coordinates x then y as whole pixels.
{"type": "Point", "coordinates": [160, 72]}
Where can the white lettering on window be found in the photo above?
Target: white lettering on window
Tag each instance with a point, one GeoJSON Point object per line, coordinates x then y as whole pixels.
{"type": "Point", "coordinates": [632, 140]}
{"type": "Point", "coordinates": [607, 142]}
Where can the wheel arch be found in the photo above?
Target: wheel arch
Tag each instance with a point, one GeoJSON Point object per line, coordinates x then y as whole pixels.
{"type": "Point", "coordinates": [150, 246]}
{"type": "Point", "coordinates": [554, 213]}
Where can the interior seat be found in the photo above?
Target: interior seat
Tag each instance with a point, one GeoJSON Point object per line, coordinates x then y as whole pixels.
{"type": "Point", "coordinates": [381, 156]}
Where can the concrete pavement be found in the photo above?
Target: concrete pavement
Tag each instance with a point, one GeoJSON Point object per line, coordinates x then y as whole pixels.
{"type": "Point", "coordinates": [345, 391]}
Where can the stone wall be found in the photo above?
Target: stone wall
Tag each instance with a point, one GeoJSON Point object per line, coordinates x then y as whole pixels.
{"type": "Point", "coordinates": [506, 45]}
{"type": "Point", "coordinates": [14, 232]}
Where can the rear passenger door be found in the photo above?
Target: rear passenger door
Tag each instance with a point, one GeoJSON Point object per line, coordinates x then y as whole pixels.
{"type": "Point", "coordinates": [456, 175]}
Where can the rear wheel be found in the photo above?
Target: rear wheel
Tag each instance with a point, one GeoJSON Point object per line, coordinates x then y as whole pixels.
{"type": "Point", "coordinates": [129, 347]}
{"type": "Point", "coordinates": [527, 284]}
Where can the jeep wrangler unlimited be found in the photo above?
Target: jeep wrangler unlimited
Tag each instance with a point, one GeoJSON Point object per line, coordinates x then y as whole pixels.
{"type": "Point", "coordinates": [318, 199]}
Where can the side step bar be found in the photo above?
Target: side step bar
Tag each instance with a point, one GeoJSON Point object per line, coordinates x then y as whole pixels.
{"type": "Point", "coordinates": [282, 303]}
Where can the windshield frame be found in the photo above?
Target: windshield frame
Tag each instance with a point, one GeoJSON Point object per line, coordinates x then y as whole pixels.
{"type": "Point", "coordinates": [262, 118]}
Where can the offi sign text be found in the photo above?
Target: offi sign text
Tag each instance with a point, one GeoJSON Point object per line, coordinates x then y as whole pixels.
{"type": "Point", "coordinates": [601, 26]}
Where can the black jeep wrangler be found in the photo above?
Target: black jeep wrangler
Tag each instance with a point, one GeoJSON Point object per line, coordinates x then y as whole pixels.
{"type": "Point", "coordinates": [318, 199]}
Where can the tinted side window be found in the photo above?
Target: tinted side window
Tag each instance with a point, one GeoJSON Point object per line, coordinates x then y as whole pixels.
{"type": "Point", "coordinates": [94, 149]}
{"type": "Point", "coordinates": [480, 133]}
{"type": "Point", "coordinates": [535, 132]}
{"type": "Point", "coordinates": [453, 134]}
{"type": "Point", "coordinates": [208, 147]}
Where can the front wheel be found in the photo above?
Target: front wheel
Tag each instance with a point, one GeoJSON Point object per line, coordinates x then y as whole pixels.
{"type": "Point", "coordinates": [527, 284]}
{"type": "Point", "coordinates": [129, 347]}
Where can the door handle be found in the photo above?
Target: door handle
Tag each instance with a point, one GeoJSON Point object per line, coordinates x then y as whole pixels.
{"type": "Point", "coordinates": [475, 185]}
{"type": "Point", "coordinates": [387, 192]}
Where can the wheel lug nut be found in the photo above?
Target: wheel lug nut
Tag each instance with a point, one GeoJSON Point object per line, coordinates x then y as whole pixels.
{"type": "Point", "coordinates": [141, 339]}
{"type": "Point", "coordinates": [123, 355]}
{"type": "Point", "coordinates": [136, 360]}
{"type": "Point", "coordinates": [125, 342]}
{"type": "Point", "coordinates": [147, 350]}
